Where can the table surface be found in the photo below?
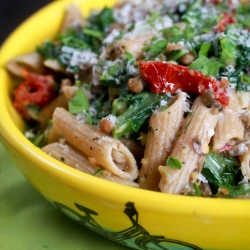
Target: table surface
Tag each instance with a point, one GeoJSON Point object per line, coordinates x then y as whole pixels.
{"type": "Point", "coordinates": [27, 220]}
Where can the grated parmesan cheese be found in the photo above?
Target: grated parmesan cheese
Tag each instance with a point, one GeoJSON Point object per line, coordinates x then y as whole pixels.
{"type": "Point", "coordinates": [163, 103]}
{"type": "Point", "coordinates": [64, 147]}
{"type": "Point", "coordinates": [111, 118]}
{"type": "Point", "coordinates": [81, 117]}
{"type": "Point", "coordinates": [202, 178]}
{"type": "Point", "coordinates": [29, 134]}
{"type": "Point", "coordinates": [210, 132]}
{"type": "Point", "coordinates": [92, 111]}
{"type": "Point", "coordinates": [84, 59]}
{"type": "Point", "coordinates": [111, 37]}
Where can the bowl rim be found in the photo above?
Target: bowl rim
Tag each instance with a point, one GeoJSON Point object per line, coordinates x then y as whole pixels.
{"type": "Point", "coordinates": [149, 200]}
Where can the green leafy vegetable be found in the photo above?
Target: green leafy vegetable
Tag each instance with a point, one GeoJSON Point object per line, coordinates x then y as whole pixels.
{"type": "Point", "coordinates": [49, 50]}
{"type": "Point", "coordinates": [223, 172]}
{"type": "Point", "coordinates": [197, 189]}
{"type": "Point", "coordinates": [101, 20]}
{"type": "Point", "coordinates": [89, 38]}
{"type": "Point", "coordinates": [200, 22]}
{"type": "Point", "coordinates": [173, 34]}
{"type": "Point", "coordinates": [229, 52]}
{"type": "Point", "coordinates": [99, 171]}
{"type": "Point", "coordinates": [174, 163]}
{"type": "Point", "coordinates": [153, 18]}
{"type": "Point", "coordinates": [176, 55]}
{"type": "Point", "coordinates": [119, 106]}
{"type": "Point", "coordinates": [220, 170]}
{"type": "Point", "coordinates": [207, 66]}
{"type": "Point", "coordinates": [192, 14]}
{"type": "Point", "coordinates": [140, 108]}
{"type": "Point", "coordinates": [94, 33]}
{"type": "Point", "coordinates": [156, 48]}
{"type": "Point", "coordinates": [240, 189]}
{"type": "Point", "coordinates": [242, 14]}
{"type": "Point", "coordinates": [101, 107]}
{"type": "Point", "coordinates": [74, 39]}
{"type": "Point", "coordinates": [204, 49]}
{"type": "Point", "coordinates": [38, 140]}
{"type": "Point", "coordinates": [235, 50]}
{"type": "Point", "coordinates": [117, 75]}
{"type": "Point", "coordinates": [78, 103]}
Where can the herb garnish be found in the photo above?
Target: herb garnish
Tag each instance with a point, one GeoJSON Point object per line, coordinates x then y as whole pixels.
{"type": "Point", "coordinates": [174, 163]}
{"type": "Point", "coordinates": [99, 171]}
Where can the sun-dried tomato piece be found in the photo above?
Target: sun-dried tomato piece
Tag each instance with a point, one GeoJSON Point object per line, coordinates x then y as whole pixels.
{"type": "Point", "coordinates": [162, 77]}
{"type": "Point", "coordinates": [35, 90]}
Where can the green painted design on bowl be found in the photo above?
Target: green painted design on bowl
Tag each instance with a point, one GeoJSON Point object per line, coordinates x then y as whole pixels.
{"type": "Point", "coordinates": [136, 236]}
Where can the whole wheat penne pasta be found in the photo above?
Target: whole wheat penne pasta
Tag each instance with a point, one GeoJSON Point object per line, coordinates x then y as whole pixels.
{"type": "Point", "coordinates": [234, 100]}
{"type": "Point", "coordinates": [230, 126]}
{"type": "Point", "coordinates": [133, 147]}
{"type": "Point", "coordinates": [32, 62]}
{"type": "Point", "coordinates": [46, 113]}
{"type": "Point", "coordinates": [163, 129]}
{"type": "Point", "coordinates": [132, 45]}
{"type": "Point", "coordinates": [69, 92]}
{"type": "Point", "coordinates": [189, 148]}
{"type": "Point", "coordinates": [73, 17]}
{"type": "Point", "coordinates": [243, 107]}
{"type": "Point", "coordinates": [101, 149]}
{"type": "Point", "coordinates": [72, 157]}
{"type": "Point", "coordinates": [243, 99]}
{"type": "Point", "coordinates": [228, 129]}
{"type": "Point", "coordinates": [245, 163]}
{"type": "Point", "coordinates": [51, 135]}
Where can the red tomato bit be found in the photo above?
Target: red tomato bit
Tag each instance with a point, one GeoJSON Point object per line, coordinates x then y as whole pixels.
{"type": "Point", "coordinates": [224, 21]}
{"type": "Point", "coordinates": [35, 90]}
{"type": "Point", "coordinates": [162, 77]}
{"type": "Point", "coordinates": [226, 147]}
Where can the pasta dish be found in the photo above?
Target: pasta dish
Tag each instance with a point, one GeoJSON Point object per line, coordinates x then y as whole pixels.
{"type": "Point", "coordinates": [149, 94]}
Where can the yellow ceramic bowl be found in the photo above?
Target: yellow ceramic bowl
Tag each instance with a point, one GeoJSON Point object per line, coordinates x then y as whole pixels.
{"type": "Point", "coordinates": [133, 217]}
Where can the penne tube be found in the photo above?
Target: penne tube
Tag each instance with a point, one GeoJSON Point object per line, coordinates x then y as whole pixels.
{"type": "Point", "coordinates": [50, 134]}
{"type": "Point", "coordinates": [163, 129]}
{"type": "Point", "coordinates": [54, 65]}
{"type": "Point", "coordinates": [245, 163]}
{"type": "Point", "coordinates": [244, 106]}
{"type": "Point", "coordinates": [32, 62]}
{"type": "Point", "coordinates": [69, 92]}
{"type": "Point", "coordinates": [73, 17]}
{"type": "Point", "coordinates": [228, 129]}
{"type": "Point", "coordinates": [243, 98]}
{"type": "Point", "coordinates": [133, 147]}
{"type": "Point", "coordinates": [132, 45]}
{"type": "Point", "coordinates": [101, 149]}
{"type": "Point", "coordinates": [75, 159]}
{"type": "Point", "coordinates": [46, 113]}
{"type": "Point", "coordinates": [189, 149]}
